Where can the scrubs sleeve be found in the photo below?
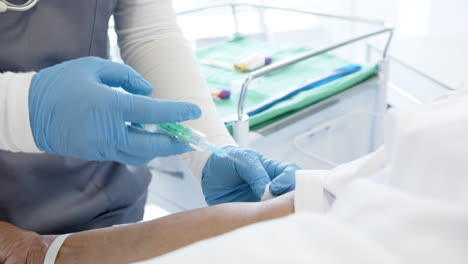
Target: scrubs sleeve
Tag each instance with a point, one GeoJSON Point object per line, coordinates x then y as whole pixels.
{"type": "Point", "coordinates": [316, 190]}
{"type": "Point", "coordinates": [152, 43]}
{"type": "Point", "coordinates": [15, 129]}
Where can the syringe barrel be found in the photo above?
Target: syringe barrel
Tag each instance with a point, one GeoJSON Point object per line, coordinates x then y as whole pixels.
{"type": "Point", "coordinates": [189, 136]}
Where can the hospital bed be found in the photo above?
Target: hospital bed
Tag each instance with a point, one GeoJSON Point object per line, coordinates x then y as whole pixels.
{"type": "Point", "coordinates": [334, 130]}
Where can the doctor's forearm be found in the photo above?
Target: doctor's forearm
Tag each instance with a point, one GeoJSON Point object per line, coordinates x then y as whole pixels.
{"type": "Point", "coordinates": [142, 241]}
{"type": "Point", "coordinates": [154, 46]}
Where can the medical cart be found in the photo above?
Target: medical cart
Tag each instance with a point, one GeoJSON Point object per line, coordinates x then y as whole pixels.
{"type": "Point", "coordinates": [334, 130]}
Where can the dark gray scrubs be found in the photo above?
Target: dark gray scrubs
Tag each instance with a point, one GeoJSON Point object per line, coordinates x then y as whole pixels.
{"type": "Point", "coordinates": [51, 194]}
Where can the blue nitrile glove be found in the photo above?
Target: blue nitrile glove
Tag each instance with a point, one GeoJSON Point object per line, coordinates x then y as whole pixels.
{"type": "Point", "coordinates": [75, 111]}
{"type": "Point", "coordinates": [224, 180]}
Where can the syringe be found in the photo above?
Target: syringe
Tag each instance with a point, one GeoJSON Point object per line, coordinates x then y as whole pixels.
{"type": "Point", "coordinates": [191, 137]}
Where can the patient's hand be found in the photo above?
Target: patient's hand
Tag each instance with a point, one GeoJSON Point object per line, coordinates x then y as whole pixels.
{"type": "Point", "coordinates": [19, 246]}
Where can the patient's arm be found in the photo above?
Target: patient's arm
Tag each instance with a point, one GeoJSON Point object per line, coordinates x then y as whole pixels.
{"type": "Point", "coordinates": [136, 242]}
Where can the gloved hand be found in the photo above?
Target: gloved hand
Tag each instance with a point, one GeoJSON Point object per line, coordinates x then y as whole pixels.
{"type": "Point", "coordinates": [224, 180]}
{"type": "Point", "coordinates": [75, 111]}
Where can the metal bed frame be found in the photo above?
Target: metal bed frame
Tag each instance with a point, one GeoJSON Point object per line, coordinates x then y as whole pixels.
{"type": "Point", "coordinates": [241, 125]}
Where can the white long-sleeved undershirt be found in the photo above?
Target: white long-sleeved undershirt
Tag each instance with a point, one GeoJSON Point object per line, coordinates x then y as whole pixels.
{"type": "Point", "coordinates": [15, 129]}
{"type": "Point", "coordinates": [152, 43]}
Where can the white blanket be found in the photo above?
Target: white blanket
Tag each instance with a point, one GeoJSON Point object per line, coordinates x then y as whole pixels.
{"type": "Point", "coordinates": [405, 203]}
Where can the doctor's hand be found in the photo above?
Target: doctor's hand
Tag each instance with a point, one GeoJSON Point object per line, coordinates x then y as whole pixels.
{"type": "Point", "coordinates": [224, 180]}
{"type": "Point", "coordinates": [75, 111]}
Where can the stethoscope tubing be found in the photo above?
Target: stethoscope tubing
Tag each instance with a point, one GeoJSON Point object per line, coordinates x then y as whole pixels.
{"type": "Point", "coordinates": [23, 7]}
